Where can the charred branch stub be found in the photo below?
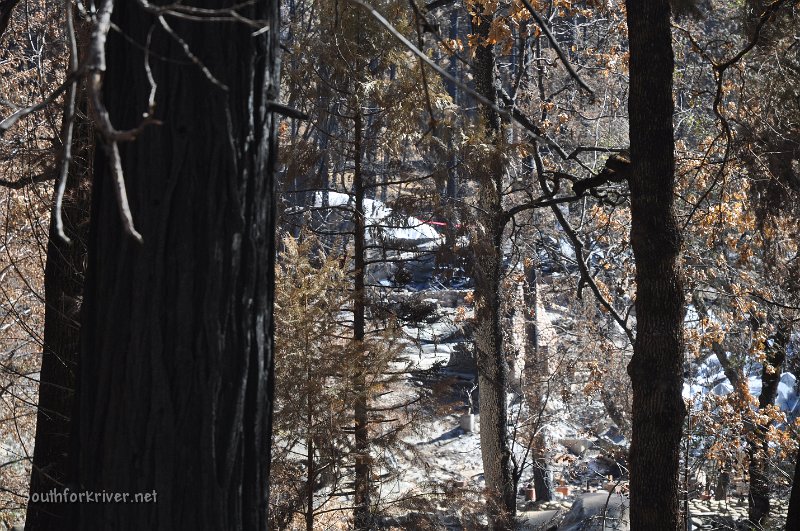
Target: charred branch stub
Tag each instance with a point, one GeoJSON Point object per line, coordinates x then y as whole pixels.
{"type": "Point", "coordinates": [616, 170]}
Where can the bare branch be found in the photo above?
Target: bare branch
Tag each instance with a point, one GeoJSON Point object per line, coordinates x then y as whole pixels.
{"type": "Point", "coordinates": [540, 202]}
{"type": "Point", "coordinates": [561, 55]}
{"type": "Point", "coordinates": [96, 65]}
{"type": "Point", "coordinates": [719, 70]}
{"type": "Point", "coordinates": [533, 130]}
{"type": "Point", "coordinates": [427, 60]}
{"type": "Point", "coordinates": [594, 149]}
{"type": "Point", "coordinates": [192, 57]}
{"type": "Point", "coordinates": [112, 150]}
{"type": "Point", "coordinates": [34, 179]}
{"type": "Point", "coordinates": [199, 14]}
{"type": "Point", "coordinates": [66, 128]}
{"type": "Point", "coordinates": [577, 244]}
{"type": "Point", "coordinates": [769, 11]}
{"type": "Point", "coordinates": [6, 124]}
{"type": "Point", "coordinates": [285, 110]}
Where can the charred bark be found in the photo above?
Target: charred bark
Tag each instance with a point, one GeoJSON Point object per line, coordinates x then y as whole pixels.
{"type": "Point", "coordinates": [63, 291]}
{"type": "Point", "coordinates": [656, 367]}
{"type": "Point", "coordinates": [362, 510]}
{"type": "Point", "coordinates": [175, 382]}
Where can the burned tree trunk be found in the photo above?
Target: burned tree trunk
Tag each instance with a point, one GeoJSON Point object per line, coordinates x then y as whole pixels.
{"type": "Point", "coordinates": [656, 367]}
{"type": "Point", "coordinates": [362, 511]}
{"type": "Point", "coordinates": [63, 292]}
{"type": "Point", "coordinates": [175, 383]}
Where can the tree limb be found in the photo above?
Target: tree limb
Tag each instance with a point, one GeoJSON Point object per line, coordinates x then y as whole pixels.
{"type": "Point", "coordinates": [616, 170]}
{"type": "Point", "coordinates": [34, 179]}
{"type": "Point", "coordinates": [554, 43]}
{"type": "Point", "coordinates": [67, 127]}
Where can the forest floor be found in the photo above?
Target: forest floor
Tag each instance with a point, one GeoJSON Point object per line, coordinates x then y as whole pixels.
{"type": "Point", "coordinates": [440, 456]}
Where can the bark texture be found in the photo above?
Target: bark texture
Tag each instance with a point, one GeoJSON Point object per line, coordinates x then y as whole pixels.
{"type": "Point", "coordinates": [362, 512]}
{"type": "Point", "coordinates": [63, 291]}
{"type": "Point", "coordinates": [656, 367]}
{"type": "Point", "coordinates": [6, 8]}
{"type": "Point", "coordinates": [493, 372]}
{"type": "Point", "coordinates": [537, 373]}
{"type": "Point", "coordinates": [175, 382]}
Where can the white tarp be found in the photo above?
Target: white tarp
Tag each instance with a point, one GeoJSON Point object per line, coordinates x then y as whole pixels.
{"type": "Point", "coordinates": [381, 221]}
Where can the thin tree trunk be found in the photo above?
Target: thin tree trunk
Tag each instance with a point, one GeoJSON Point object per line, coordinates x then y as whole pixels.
{"type": "Point", "coordinates": [362, 511]}
{"type": "Point", "coordinates": [63, 288]}
{"type": "Point", "coordinates": [487, 255]}
{"type": "Point", "coordinates": [311, 472]}
{"type": "Point", "coordinates": [723, 482]}
{"type": "Point", "coordinates": [175, 384]}
{"type": "Point", "coordinates": [758, 499]}
{"type": "Point", "coordinates": [757, 447]}
{"type": "Point", "coordinates": [656, 367]}
{"type": "Point", "coordinates": [793, 517]}
{"type": "Point", "coordinates": [493, 379]}
{"type": "Point", "coordinates": [537, 372]}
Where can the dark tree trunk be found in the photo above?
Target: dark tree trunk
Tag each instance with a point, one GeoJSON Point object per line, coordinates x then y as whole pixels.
{"type": "Point", "coordinates": [758, 468]}
{"type": "Point", "coordinates": [793, 517]}
{"type": "Point", "coordinates": [487, 257]}
{"type": "Point", "coordinates": [311, 469]}
{"type": "Point", "coordinates": [757, 447]}
{"type": "Point", "coordinates": [656, 368]}
{"type": "Point", "coordinates": [310, 477]}
{"type": "Point", "coordinates": [63, 291]}
{"type": "Point", "coordinates": [175, 383]}
{"type": "Point", "coordinates": [723, 482]}
{"type": "Point", "coordinates": [493, 380]}
{"type": "Point", "coordinates": [451, 186]}
{"type": "Point", "coordinates": [536, 376]}
{"type": "Point", "coordinates": [362, 511]}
